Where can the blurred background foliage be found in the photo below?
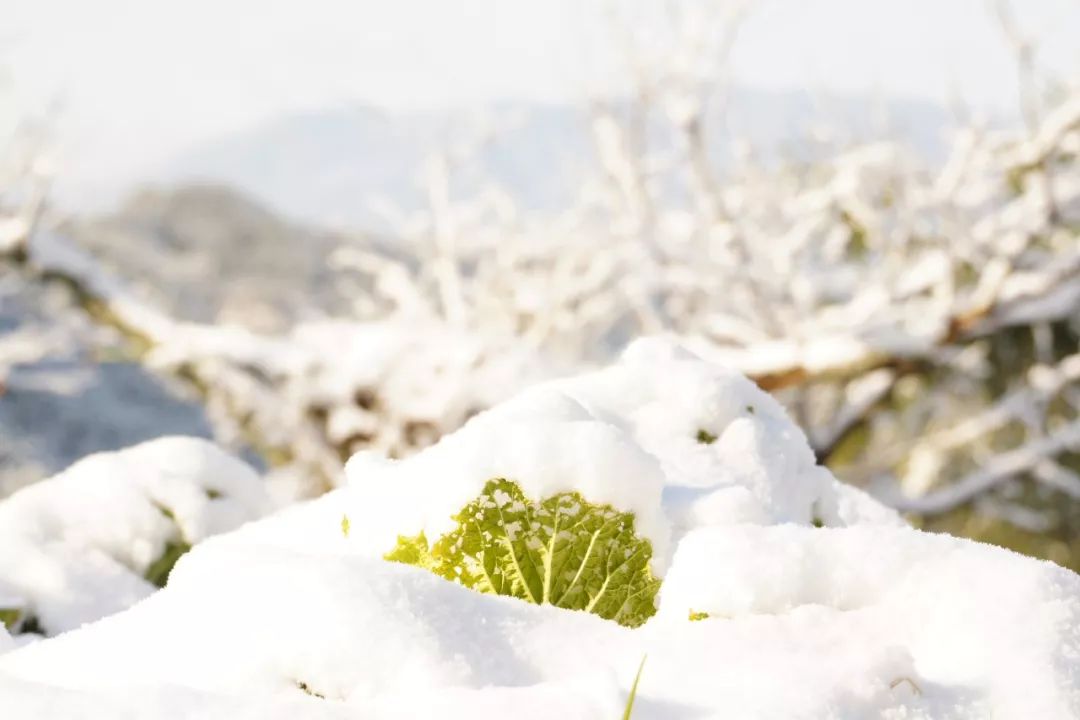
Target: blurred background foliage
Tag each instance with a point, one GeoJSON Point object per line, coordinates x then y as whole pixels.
{"type": "Point", "coordinates": [347, 279]}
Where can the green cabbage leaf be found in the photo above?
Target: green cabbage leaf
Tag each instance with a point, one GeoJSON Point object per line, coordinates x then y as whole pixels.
{"type": "Point", "coordinates": [561, 551]}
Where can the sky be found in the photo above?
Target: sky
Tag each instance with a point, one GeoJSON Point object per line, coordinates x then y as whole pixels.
{"type": "Point", "coordinates": [136, 81]}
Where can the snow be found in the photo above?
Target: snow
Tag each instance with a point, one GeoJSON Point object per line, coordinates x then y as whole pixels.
{"type": "Point", "coordinates": [626, 436]}
{"type": "Point", "coordinates": [76, 547]}
{"type": "Point", "coordinates": [943, 601]}
{"type": "Point", "coordinates": [862, 617]}
{"type": "Point", "coordinates": [545, 454]}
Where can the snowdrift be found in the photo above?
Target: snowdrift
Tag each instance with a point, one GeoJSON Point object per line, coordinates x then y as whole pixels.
{"type": "Point", "coordinates": [782, 593]}
{"type": "Point", "coordinates": [103, 534]}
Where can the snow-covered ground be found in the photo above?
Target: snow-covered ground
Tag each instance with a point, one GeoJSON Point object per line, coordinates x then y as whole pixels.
{"type": "Point", "coordinates": [101, 535]}
{"type": "Point", "coordinates": [783, 593]}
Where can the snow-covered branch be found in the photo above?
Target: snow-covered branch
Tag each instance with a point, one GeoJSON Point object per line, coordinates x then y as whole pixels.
{"type": "Point", "coordinates": [1005, 466]}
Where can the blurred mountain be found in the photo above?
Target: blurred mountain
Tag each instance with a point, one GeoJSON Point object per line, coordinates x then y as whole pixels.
{"type": "Point", "coordinates": [335, 166]}
{"type": "Point", "coordinates": [209, 253]}
{"type": "Point", "coordinates": [329, 166]}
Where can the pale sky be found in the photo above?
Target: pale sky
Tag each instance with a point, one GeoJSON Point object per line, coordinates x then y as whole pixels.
{"type": "Point", "coordinates": [141, 79]}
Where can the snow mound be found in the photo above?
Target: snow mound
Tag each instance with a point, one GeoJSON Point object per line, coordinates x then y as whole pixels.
{"type": "Point", "coordinates": [81, 545]}
{"type": "Point", "coordinates": [676, 441]}
{"type": "Point", "coordinates": [784, 594]}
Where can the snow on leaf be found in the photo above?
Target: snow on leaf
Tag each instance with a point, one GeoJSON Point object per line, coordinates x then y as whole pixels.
{"type": "Point", "coordinates": [562, 551]}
